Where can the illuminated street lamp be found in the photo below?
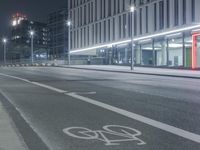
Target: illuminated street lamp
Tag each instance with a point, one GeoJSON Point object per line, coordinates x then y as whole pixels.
{"type": "Point", "coordinates": [132, 9]}
{"type": "Point", "coordinates": [4, 40]}
{"type": "Point", "coordinates": [69, 40]}
{"type": "Point", "coordinates": [31, 35]}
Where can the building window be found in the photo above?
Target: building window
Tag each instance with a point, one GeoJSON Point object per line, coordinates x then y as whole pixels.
{"type": "Point", "coordinates": [78, 17]}
{"type": "Point", "coordinates": [118, 6]}
{"type": "Point", "coordinates": [74, 39]}
{"type": "Point", "coordinates": [147, 54]}
{"type": "Point", "coordinates": [129, 24]}
{"type": "Point", "coordinates": [104, 29]}
{"type": "Point", "coordinates": [78, 39]}
{"type": "Point", "coordinates": [85, 36]}
{"type": "Point", "coordinates": [95, 10]}
{"type": "Point", "coordinates": [124, 25]}
{"type": "Point", "coordinates": [168, 13]}
{"type": "Point", "coordinates": [184, 11]}
{"type": "Point", "coordinates": [175, 48]}
{"type": "Point", "coordinates": [176, 14]}
{"type": "Point", "coordinates": [81, 37]}
{"type": "Point", "coordinates": [140, 20]}
{"type": "Point", "coordinates": [99, 32]}
{"type": "Point", "coordinates": [109, 30]}
{"type": "Point", "coordinates": [113, 28]}
{"type": "Point", "coordinates": [123, 5]}
{"type": "Point", "coordinates": [160, 52]}
{"type": "Point", "coordinates": [85, 15]}
{"type": "Point", "coordinates": [114, 5]}
{"type": "Point", "coordinates": [135, 23]}
{"type": "Point", "coordinates": [193, 10]}
{"type": "Point", "coordinates": [147, 19]}
{"type": "Point", "coordinates": [120, 20]}
{"type": "Point", "coordinates": [161, 14]}
{"type": "Point", "coordinates": [92, 10]}
{"type": "Point", "coordinates": [88, 35]}
{"type": "Point", "coordinates": [109, 8]}
{"type": "Point", "coordinates": [104, 9]}
{"type": "Point", "coordinates": [93, 33]}
{"type": "Point", "coordinates": [81, 16]}
{"type": "Point", "coordinates": [155, 16]}
{"type": "Point", "coordinates": [89, 18]}
{"type": "Point", "coordinates": [96, 31]}
{"type": "Point", "coordinates": [101, 7]}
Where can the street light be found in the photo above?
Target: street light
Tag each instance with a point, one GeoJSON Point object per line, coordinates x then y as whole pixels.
{"type": "Point", "coordinates": [69, 40]}
{"type": "Point", "coordinates": [4, 47]}
{"type": "Point", "coordinates": [31, 35]}
{"type": "Point", "coordinates": [132, 9]}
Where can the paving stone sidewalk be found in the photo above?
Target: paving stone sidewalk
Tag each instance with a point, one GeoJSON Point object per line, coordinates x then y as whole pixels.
{"type": "Point", "coordinates": [10, 139]}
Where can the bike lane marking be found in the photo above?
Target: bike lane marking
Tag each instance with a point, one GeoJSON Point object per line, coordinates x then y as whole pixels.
{"type": "Point", "coordinates": [165, 127]}
{"type": "Point", "coordinates": [104, 135]}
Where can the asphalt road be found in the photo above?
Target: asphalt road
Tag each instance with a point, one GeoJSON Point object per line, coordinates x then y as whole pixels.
{"type": "Point", "coordinates": [70, 109]}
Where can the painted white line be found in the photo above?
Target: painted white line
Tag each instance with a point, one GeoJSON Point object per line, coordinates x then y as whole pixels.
{"type": "Point", "coordinates": [171, 129]}
{"type": "Point", "coordinates": [49, 87]}
{"type": "Point", "coordinates": [165, 127]}
{"type": "Point", "coordinates": [5, 75]}
{"type": "Point", "coordinates": [35, 83]}
{"type": "Point", "coordinates": [85, 93]}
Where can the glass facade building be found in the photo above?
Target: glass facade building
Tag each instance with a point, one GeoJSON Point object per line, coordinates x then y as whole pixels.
{"type": "Point", "coordinates": [58, 32]}
{"type": "Point", "coordinates": [165, 32]}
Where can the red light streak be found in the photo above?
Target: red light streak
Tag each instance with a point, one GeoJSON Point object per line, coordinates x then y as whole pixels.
{"type": "Point", "coordinates": [194, 50]}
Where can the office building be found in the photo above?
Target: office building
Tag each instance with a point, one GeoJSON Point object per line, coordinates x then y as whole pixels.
{"type": "Point", "coordinates": [166, 33]}
{"type": "Point", "coordinates": [58, 33]}
{"type": "Point", "coordinates": [21, 40]}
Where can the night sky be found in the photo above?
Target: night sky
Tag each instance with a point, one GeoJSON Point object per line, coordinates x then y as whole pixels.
{"type": "Point", "coordinates": [35, 10]}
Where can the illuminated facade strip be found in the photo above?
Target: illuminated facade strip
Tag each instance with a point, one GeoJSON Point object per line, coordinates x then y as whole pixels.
{"type": "Point", "coordinates": [139, 38]}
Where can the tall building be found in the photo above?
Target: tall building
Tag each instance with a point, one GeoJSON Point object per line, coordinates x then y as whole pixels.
{"type": "Point", "coordinates": [166, 33]}
{"type": "Point", "coordinates": [58, 33]}
{"type": "Point", "coordinates": [21, 40]}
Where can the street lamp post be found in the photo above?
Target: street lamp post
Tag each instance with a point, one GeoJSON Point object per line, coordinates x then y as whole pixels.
{"type": "Point", "coordinates": [32, 35]}
{"type": "Point", "coordinates": [132, 9]}
{"type": "Point", "coordinates": [69, 42]}
{"type": "Point", "coordinates": [4, 49]}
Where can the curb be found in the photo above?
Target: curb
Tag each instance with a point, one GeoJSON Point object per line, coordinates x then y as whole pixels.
{"type": "Point", "coordinates": [127, 72]}
{"type": "Point", "coordinates": [114, 71]}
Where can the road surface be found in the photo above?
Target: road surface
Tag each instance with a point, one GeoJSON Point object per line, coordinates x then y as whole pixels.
{"type": "Point", "coordinates": [71, 109]}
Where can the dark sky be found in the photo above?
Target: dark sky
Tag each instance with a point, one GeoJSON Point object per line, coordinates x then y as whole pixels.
{"type": "Point", "coordinates": [36, 10]}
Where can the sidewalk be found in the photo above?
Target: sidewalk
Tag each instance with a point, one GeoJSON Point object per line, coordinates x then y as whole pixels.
{"type": "Point", "coordinates": [9, 136]}
{"type": "Point", "coordinates": [140, 70]}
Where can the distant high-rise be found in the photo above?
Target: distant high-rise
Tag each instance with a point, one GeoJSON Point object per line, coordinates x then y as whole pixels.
{"type": "Point", "coordinates": [17, 18]}
{"type": "Point", "coordinates": [20, 36]}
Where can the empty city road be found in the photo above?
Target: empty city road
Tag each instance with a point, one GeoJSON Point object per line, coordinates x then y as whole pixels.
{"type": "Point", "coordinates": [72, 109]}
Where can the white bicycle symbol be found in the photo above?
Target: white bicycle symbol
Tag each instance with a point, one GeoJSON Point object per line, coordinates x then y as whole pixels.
{"type": "Point", "coordinates": [111, 134]}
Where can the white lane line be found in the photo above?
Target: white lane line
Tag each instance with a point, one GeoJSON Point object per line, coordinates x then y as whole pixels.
{"type": "Point", "coordinates": [5, 75]}
{"type": "Point", "coordinates": [85, 93]}
{"type": "Point", "coordinates": [168, 128]}
{"type": "Point", "coordinates": [49, 87]}
{"type": "Point", "coordinates": [35, 83]}
{"type": "Point", "coordinates": [165, 127]}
